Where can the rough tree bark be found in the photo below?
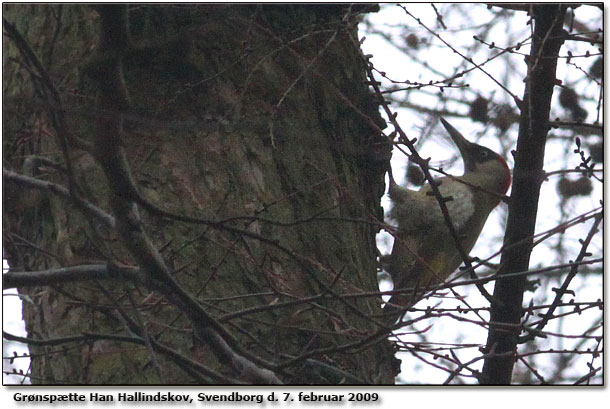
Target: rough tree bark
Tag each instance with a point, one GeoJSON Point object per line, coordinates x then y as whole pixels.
{"type": "Point", "coordinates": [253, 121]}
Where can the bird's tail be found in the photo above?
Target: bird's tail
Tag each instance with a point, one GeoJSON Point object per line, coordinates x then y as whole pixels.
{"type": "Point", "coordinates": [398, 304]}
{"type": "Point", "coordinates": [392, 312]}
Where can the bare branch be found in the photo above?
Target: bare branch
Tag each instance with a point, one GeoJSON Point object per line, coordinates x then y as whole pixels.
{"type": "Point", "coordinates": [87, 207]}
{"type": "Point", "coordinates": [62, 275]}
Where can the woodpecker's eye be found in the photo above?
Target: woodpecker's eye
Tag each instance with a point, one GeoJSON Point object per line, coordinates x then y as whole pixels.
{"type": "Point", "coordinates": [483, 155]}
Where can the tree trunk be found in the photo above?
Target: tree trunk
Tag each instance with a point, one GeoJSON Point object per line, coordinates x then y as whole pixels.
{"type": "Point", "coordinates": [523, 207]}
{"type": "Point", "coordinates": [254, 119]}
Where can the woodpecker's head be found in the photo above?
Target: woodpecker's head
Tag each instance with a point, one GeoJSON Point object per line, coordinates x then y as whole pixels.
{"type": "Point", "coordinates": [482, 166]}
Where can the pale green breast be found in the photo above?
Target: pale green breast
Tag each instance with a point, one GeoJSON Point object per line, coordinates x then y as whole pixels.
{"type": "Point", "coordinates": [424, 251]}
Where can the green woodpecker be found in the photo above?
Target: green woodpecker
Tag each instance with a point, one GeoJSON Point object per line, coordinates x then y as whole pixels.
{"type": "Point", "coordinates": [424, 252]}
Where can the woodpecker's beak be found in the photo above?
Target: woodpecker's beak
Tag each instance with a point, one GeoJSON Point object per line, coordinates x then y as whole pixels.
{"type": "Point", "coordinates": [462, 143]}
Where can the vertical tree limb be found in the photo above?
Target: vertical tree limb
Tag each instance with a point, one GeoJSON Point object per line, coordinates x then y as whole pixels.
{"type": "Point", "coordinates": [523, 206]}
